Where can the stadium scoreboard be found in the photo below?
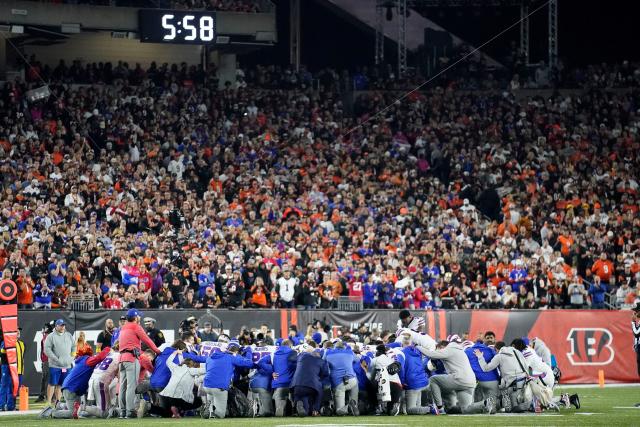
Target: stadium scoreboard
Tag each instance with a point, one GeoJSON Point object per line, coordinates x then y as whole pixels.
{"type": "Point", "coordinates": [177, 26]}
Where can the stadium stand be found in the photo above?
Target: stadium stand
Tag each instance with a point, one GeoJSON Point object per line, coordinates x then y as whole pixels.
{"type": "Point", "coordinates": [151, 187]}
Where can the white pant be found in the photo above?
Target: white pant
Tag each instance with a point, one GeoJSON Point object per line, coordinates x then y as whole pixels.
{"type": "Point", "coordinates": [341, 391]}
{"type": "Point", "coordinates": [217, 401]}
{"type": "Point", "coordinates": [413, 402]}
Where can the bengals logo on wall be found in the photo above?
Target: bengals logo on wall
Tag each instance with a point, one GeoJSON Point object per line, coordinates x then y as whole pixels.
{"type": "Point", "coordinates": [590, 346]}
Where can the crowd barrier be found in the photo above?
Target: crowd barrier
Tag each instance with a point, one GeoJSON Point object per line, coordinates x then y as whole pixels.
{"type": "Point", "coordinates": [583, 341]}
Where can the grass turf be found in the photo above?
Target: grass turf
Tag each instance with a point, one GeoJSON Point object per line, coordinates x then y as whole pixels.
{"type": "Point", "coordinates": [598, 408]}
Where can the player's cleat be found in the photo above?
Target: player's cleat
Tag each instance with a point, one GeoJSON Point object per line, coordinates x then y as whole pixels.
{"type": "Point", "coordinates": [142, 408]}
{"type": "Point", "coordinates": [637, 405]}
{"type": "Point", "coordinates": [575, 400]}
{"type": "Point", "coordinates": [76, 408]}
{"type": "Point", "coordinates": [122, 415]}
{"type": "Point", "coordinates": [565, 400]}
{"type": "Point", "coordinates": [255, 405]}
{"type": "Point", "coordinates": [175, 412]}
{"type": "Point", "coordinates": [490, 406]}
{"type": "Point", "coordinates": [554, 407]}
{"type": "Point", "coordinates": [46, 412]}
{"type": "Point", "coordinates": [380, 410]}
{"type": "Point", "coordinates": [326, 411]}
{"type": "Point", "coordinates": [353, 408]}
{"type": "Point", "coordinates": [300, 411]}
{"type": "Point", "coordinates": [395, 409]}
{"type": "Point", "coordinates": [204, 413]}
{"type": "Point", "coordinates": [537, 408]}
{"type": "Point", "coordinates": [83, 414]}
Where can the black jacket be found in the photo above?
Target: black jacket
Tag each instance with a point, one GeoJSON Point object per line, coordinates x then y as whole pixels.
{"type": "Point", "coordinates": [310, 370]}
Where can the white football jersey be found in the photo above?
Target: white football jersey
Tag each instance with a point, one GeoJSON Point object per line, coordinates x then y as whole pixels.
{"type": "Point", "coordinates": [208, 347]}
{"type": "Point", "coordinates": [107, 370]}
{"type": "Point", "coordinates": [421, 339]}
{"type": "Point", "coordinates": [416, 324]}
{"type": "Point", "coordinates": [538, 367]}
{"type": "Point", "coordinates": [541, 350]}
{"type": "Point", "coordinates": [258, 353]}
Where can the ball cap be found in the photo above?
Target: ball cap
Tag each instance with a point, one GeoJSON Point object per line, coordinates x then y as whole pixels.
{"type": "Point", "coordinates": [60, 322]}
{"type": "Point", "coordinates": [134, 313]}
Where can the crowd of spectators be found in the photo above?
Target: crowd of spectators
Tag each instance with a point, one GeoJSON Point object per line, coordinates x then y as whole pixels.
{"type": "Point", "coordinates": [161, 190]}
{"type": "Point", "coordinates": [245, 6]}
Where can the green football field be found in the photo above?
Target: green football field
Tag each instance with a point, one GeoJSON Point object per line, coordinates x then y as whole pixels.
{"type": "Point", "coordinates": [612, 406]}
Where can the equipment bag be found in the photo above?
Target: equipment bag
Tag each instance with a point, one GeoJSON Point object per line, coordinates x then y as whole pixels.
{"type": "Point", "coordinates": [238, 404]}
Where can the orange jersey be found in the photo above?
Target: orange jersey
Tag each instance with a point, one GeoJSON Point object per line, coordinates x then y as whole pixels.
{"type": "Point", "coordinates": [603, 269]}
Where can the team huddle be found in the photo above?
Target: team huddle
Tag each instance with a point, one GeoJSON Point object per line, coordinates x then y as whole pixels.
{"type": "Point", "coordinates": [403, 373]}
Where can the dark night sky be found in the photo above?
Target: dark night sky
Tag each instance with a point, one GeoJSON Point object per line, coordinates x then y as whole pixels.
{"type": "Point", "coordinates": [590, 31]}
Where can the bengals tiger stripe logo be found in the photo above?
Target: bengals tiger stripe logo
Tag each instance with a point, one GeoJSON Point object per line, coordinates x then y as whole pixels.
{"type": "Point", "coordinates": [590, 346]}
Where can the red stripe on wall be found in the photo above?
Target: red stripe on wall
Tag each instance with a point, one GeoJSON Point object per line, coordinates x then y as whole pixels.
{"type": "Point", "coordinates": [284, 324]}
{"type": "Point", "coordinates": [294, 320]}
{"type": "Point", "coordinates": [442, 324]}
{"type": "Point", "coordinates": [431, 324]}
{"type": "Point", "coordinates": [483, 321]}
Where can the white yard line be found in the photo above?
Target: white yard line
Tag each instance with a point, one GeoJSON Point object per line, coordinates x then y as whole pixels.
{"type": "Point", "coordinates": [12, 413]}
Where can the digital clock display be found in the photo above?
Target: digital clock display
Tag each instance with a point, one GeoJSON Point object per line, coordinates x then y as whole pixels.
{"type": "Point", "coordinates": [177, 26]}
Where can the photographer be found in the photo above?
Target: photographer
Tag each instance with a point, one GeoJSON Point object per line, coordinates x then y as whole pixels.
{"type": "Point", "coordinates": [46, 330]}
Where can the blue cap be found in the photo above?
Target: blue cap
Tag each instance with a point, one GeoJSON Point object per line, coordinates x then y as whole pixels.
{"type": "Point", "coordinates": [317, 337]}
{"type": "Point", "coordinates": [60, 322]}
{"type": "Point", "coordinates": [279, 342]}
{"type": "Point", "coordinates": [526, 340]}
{"type": "Point", "coordinates": [134, 313]}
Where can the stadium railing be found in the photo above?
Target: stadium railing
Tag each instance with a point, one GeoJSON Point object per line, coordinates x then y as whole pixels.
{"type": "Point", "coordinates": [81, 302]}
{"type": "Point", "coordinates": [350, 304]}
